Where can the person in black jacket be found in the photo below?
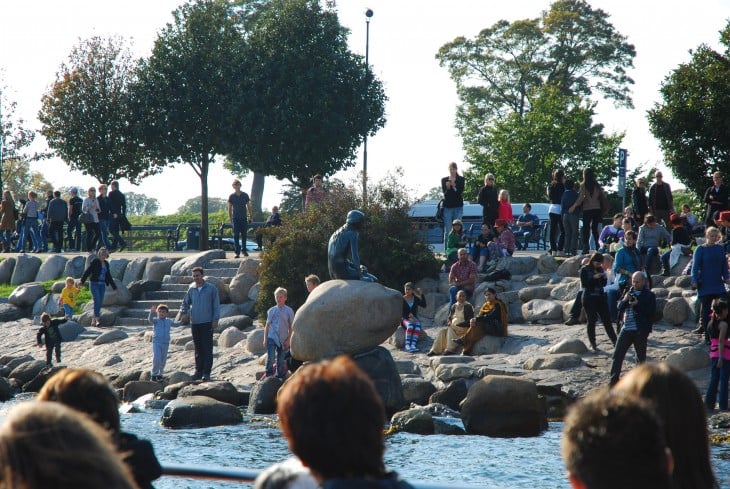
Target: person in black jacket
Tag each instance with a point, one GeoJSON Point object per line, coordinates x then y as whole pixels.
{"type": "Point", "coordinates": [453, 188]}
{"type": "Point", "coordinates": [488, 198]}
{"type": "Point", "coordinates": [118, 215]}
{"type": "Point", "coordinates": [716, 198]}
{"type": "Point", "coordinates": [50, 330]}
{"type": "Point", "coordinates": [99, 275]}
{"type": "Point", "coordinates": [639, 201]}
{"type": "Point", "coordinates": [90, 392]}
{"type": "Point", "coordinates": [593, 279]}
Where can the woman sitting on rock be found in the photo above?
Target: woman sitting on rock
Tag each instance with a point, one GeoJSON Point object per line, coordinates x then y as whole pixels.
{"type": "Point", "coordinates": [412, 299]}
{"type": "Point", "coordinates": [457, 325]}
{"type": "Point", "coordinates": [455, 240]}
{"type": "Point", "coordinates": [491, 321]}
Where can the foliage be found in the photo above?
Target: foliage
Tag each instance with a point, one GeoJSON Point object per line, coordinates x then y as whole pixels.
{"type": "Point", "coordinates": [86, 114]}
{"type": "Point", "coordinates": [691, 122]}
{"type": "Point", "coordinates": [194, 205]}
{"type": "Point", "coordinates": [141, 204]}
{"type": "Point", "coordinates": [682, 197]}
{"type": "Point", "coordinates": [306, 102]}
{"type": "Point", "coordinates": [389, 246]}
{"type": "Point", "coordinates": [434, 193]}
{"type": "Point", "coordinates": [185, 89]}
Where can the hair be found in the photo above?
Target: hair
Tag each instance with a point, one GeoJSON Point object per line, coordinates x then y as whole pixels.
{"type": "Point", "coordinates": [198, 269]}
{"type": "Point", "coordinates": [712, 230]}
{"type": "Point", "coordinates": [487, 177]}
{"type": "Point", "coordinates": [102, 186]}
{"type": "Point", "coordinates": [631, 234]}
{"type": "Point", "coordinates": [102, 251]}
{"type": "Point", "coordinates": [569, 184]}
{"type": "Point", "coordinates": [558, 175]}
{"type": "Point", "coordinates": [87, 391]}
{"type": "Point", "coordinates": [618, 215]}
{"type": "Point", "coordinates": [46, 444]}
{"type": "Point", "coordinates": [57, 194]}
{"type": "Point", "coordinates": [679, 404]}
{"type": "Point", "coordinates": [612, 440]}
{"type": "Point", "coordinates": [70, 280]}
{"type": "Point", "coordinates": [317, 177]}
{"type": "Point", "coordinates": [163, 307]}
{"type": "Point", "coordinates": [718, 306]}
{"type": "Point", "coordinates": [528, 205]}
{"type": "Point", "coordinates": [114, 184]}
{"type": "Point", "coordinates": [686, 205]}
{"type": "Point", "coordinates": [596, 257]}
{"type": "Point", "coordinates": [236, 181]}
{"type": "Point", "coordinates": [491, 290]}
{"type": "Point", "coordinates": [649, 219]}
{"type": "Point", "coordinates": [8, 195]}
{"type": "Point", "coordinates": [457, 224]}
{"type": "Point", "coordinates": [453, 165]}
{"type": "Point", "coordinates": [461, 292]}
{"type": "Point", "coordinates": [32, 194]}
{"type": "Point", "coordinates": [675, 220]}
{"type": "Point", "coordinates": [45, 317]}
{"type": "Point", "coordinates": [504, 192]}
{"type": "Point", "coordinates": [629, 210]}
{"type": "Point", "coordinates": [607, 257]}
{"type": "Point", "coordinates": [334, 404]}
{"type": "Point", "coordinates": [280, 291]}
{"type": "Point", "coordinates": [409, 285]}
{"type": "Point", "coordinates": [589, 179]}
{"type": "Point", "coordinates": [92, 189]}
{"type": "Point", "coordinates": [312, 279]}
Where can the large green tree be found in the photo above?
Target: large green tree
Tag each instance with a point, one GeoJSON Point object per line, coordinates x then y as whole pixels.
{"type": "Point", "coordinates": [691, 121]}
{"type": "Point", "coordinates": [193, 205]}
{"type": "Point", "coordinates": [513, 75]}
{"type": "Point", "coordinates": [86, 114]}
{"type": "Point", "coordinates": [307, 101]}
{"type": "Point", "coordinates": [186, 89]}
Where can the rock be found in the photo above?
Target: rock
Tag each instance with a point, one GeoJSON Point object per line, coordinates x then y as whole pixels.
{"type": "Point", "coordinates": [223, 293]}
{"type": "Point", "coordinates": [569, 345]}
{"type": "Point", "coordinates": [442, 427]}
{"type": "Point", "coordinates": [320, 330]}
{"type": "Point", "coordinates": [37, 382]}
{"type": "Point", "coordinates": [255, 342]}
{"type": "Point", "coordinates": [380, 367]}
{"type": "Point", "coordinates": [139, 287]}
{"type": "Point", "coordinates": [110, 337]}
{"type": "Point", "coordinates": [416, 420]}
{"type": "Point", "coordinates": [527, 294]}
{"type": "Point", "coordinates": [27, 294]}
{"type": "Point", "coordinates": [125, 377]}
{"type": "Point", "coordinates": [503, 406]}
{"type": "Point", "coordinates": [565, 291]}
{"type": "Point", "coordinates": [239, 322]}
{"type": "Point", "coordinates": [177, 377]}
{"type": "Point", "coordinates": [219, 390]}
{"type": "Point", "coordinates": [417, 390]}
{"type": "Point", "coordinates": [134, 270]}
{"type": "Point", "coordinates": [119, 297]}
{"type": "Point", "coordinates": [442, 314]}
{"type": "Point", "coordinates": [117, 266]}
{"type": "Point", "coordinates": [25, 372]}
{"type": "Point", "coordinates": [398, 339]}
{"type": "Point", "coordinates": [557, 361]}
{"type": "Point", "coordinates": [434, 301]}
{"type": "Point", "coordinates": [240, 285]}
{"type": "Point", "coordinates": [113, 360]}
{"type": "Point", "coordinates": [230, 337]}
{"type": "Point", "coordinates": [659, 313]}
{"type": "Point", "coordinates": [6, 390]}
{"type": "Point", "coordinates": [263, 396]}
{"type": "Point", "coordinates": [547, 264]}
{"type": "Point", "coordinates": [75, 267]}
{"type": "Point", "coordinates": [70, 330]}
{"type": "Point", "coordinates": [137, 388]}
{"type": "Point", "coordinates": [675, 311]}
{"type": "Point", "coordinates": [10, 312]}
{"type": "Point", "coordinates": [689, 358]}
{"type": "Point", "coordinates": [451, 395]}
{"type": "Point", "coordinates": [107, 315]}
{"type": "Point", "coordinates": [449, 372]}
{"type": "Point", "coordinates": [253, 292]}
{"type": "Point", "coordinates": [25, 270]}
{"type": "Point", "coordinates": [249, 266]}
{"type": "Point", "coordinates": [571, 266]}
{"type": "Point", "coordinates": [186, 265]}
{"type": "Point", "coordinates": [248, 308]}
{"type": "Point", "coordinates": [11, 362]}
{"type": "Point", "coordinates": [6, 269]}
{"type": "Point", "coordinates": [48, 303]}
{"type": "Point", "coordinates": [515, 312]}
{"type": "Point", "coordinates": [199, 412]}
{"type": "Point", "coordinates": [156, 268]}
{"type": "Point", "coordinates": [519, 265]}
{"type": "Point", "coordinates": [52, 268]}
{"type": "Point", "coordinates": [680, 265]}
{"type": "Point", "coordinates": [537, 280]}
{"type": "Point", "coordinates": [683, 281]}
{"type": "Point", "coordinates": [538, 309]}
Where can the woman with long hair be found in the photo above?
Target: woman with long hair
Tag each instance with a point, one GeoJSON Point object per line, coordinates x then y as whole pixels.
{"type": "Point", "coordinates": [593, 279]}
{"type": "Point", "coordinates": [7, 221]}
{"type": "Point", "coordinates": [99, 275]}
{"type": "Point", "coordinates": [589, 196]}
{"type": "Point", "coordinates": [555, 192]}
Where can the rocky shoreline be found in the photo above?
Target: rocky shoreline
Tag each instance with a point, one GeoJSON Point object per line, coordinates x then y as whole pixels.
{"type": "Point", "coordinates": [539, 347]}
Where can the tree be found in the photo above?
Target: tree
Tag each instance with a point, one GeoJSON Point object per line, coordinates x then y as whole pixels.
{"type": "Point", "coordinates": [19, 179]}
{"type": "Point", "coordinates": [513, 77]}
{"type": "Point", "coordinates": [691, 122]}
{"type": "Point", "coordinates": [86, 114]}
{"type": "Point", "coordinates": [141, 204]}
{"type": "Point", "coordinates": [184, 91]}
{"type": "Point", "coordinates": [193, 205]}
{"type": "Point", "coordinates": [15, 138]}
{"type": "Point", "coordinates": [307, 101]}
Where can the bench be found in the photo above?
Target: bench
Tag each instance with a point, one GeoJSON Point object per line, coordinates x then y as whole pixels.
{"type": "Point", "coordinates": [154, 237]}
{"type": "Point", "coordinates": [219, 233]}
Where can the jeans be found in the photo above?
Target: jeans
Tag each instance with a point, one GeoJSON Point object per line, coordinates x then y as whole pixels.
{"type": "Point", "coordinates": [43, 235]}
{"type": "Point", "coordinates": [591, 219]}
{"type": "Point", "coordinates": [104, 233]}
{"type": "Point", "coordinates": [73, 234]}
{"type": "Point", "coordinates": [648, 253]}
{"type": "Point", "coordinates": [613, 295]}
{"type": "Point", "coordinates": [117, 240]}
{"type": "Point", "coordinates": [68, 310]}
{"type": "Point", "coordinates": [8, 239]}
{"type": "Point", "coordinates": [56, 231]}
{"type": "Point", "coordinates": [92, 235]}
{"type": "Point", "coordinates": [240, 228]}
{"type": "Point", "coordinates": [556, 226]}
{"type": "Point", "coordinates": [625, 339]}
{"type": "Point", "coordinates": [159, 357]}
{"type": "Point", "coordinates": [719, 376]}
{"type": "Point", "coordinates": [451, 213]}
{"type": "Point", "coordinates": [456, 288]}
{"type": "Point", "coordinates": [98, 290]}
{"type": "Point", "coordinates": [203, 341]}
{"type": "Point", "coordinates": [570, 225]}
{"type": "Point", "coordinates": [272, 349]}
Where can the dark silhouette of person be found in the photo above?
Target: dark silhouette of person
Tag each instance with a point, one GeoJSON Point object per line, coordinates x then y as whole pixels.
{"type": "Point", "coordinates": [342, 241]}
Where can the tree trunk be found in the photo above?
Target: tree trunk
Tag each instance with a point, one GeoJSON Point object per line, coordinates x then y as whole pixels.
{"type": "Point", "coordinates": [257, 195]}
{"type": "Point", "coordinates": [204, 202]}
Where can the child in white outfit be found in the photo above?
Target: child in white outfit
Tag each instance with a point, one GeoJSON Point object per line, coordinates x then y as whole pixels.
{"type": "Point", "coordinates": [160, 339]}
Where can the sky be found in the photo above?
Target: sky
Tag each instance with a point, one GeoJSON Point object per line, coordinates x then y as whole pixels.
{"type": "Point", "coordinates": [419, 136]}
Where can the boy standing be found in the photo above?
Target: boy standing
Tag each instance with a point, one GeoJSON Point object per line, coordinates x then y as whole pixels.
{"type": "Point", "coordinates": [160, 339]}
{"type": "Point", "coordinates": [277, 333]}
{"type": "Point", "coordinates": [50, 329]}
{"type": "Point", "coordinates": [68, 297]}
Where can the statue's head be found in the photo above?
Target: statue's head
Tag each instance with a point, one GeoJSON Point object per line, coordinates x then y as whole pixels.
{"type": "Point", "coordinates": [355, 218]}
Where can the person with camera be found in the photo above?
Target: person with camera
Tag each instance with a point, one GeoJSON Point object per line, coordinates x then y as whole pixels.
{"type": "Point", "coordinates": [611, 234]}
{"type": "Point", "coordinates": [636, 312]}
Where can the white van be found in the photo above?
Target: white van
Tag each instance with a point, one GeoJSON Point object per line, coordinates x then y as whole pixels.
{"type": "Point", "coordinates": [423, 217]}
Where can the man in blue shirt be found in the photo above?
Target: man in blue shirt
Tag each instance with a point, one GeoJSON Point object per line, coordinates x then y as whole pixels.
{"type": "Point", "coordinates": [527, 225]}
{"type": "Point", "coordinates": [203, 304]}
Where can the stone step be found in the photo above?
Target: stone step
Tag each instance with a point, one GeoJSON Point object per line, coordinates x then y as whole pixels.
{"type": "Point", "coordinates": [165, 295]}
{"type": "Point", "coordinates": [221, 272]}
{"type": "Point", "coordinates": [131, 325]}
{"type": "Point", "coordinates": [143, 313]}
{"type": "Point", "coordinates": [177, 279]}
{"type": "Point", "coordinates": [175, 287]}
{"type": "Point", "coordinates": [215, 264]}
{"type": "Point", "coordinates": [147, 303]}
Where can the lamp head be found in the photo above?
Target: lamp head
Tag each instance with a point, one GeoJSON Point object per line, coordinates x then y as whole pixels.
{"type": "Point", "coordinates": [368, 13]}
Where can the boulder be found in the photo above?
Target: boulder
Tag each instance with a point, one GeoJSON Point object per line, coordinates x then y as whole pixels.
{"type": "Point", "coordinates": [107, 315]}
{"type": "Point", "coordinates": [223, 293]}
{"type": "Point", "coordinates": [565, 291]}
{"type": "Point", "coordinates": [6, 390]}
{"type": "Point", "coordinates": [230, 310]}
{"type": "Point", "coordinates": [416, 420]}
{"type": "Point", "coordinates": [125, 377]}
{"type": "Point", "coordinates": [26, 371]}
{"type": "Point", "coordinates": [110, 337]}
{"type": "Point", "coordinates": [185, 266]}
{"type": "Point", "coordinates": [541, 309]}
{"type": "Point", "coordinates": [518, 265]}
{"type": "Point", "coordinates": [37, 382]}
{"type": "Point", "coordinates": [488, 345]}
{"type": "Point", "coordinates": [6, 269]}
{"type": "Point", "coordinates": [255, 342]}
{"type": "Point", "coordinates": [239, 322]}
{"type": "Point", "coordinates": [157, 268]}
{"type": "Point", "coordinates": [117, 266]}
{"type": "Point", "coordinates": [683, 281]}
{"type": "Point", "coordinates": [529, 293]}
{"type": "Point", "coordinates": [137, 388]}
{"type": "Point", "coordinates": [537, 279]}
{"type": "Point", "coordinates": [428, 285]}
{"type": "Point", "coordinates": [451, 395]}
{"type": "Point", "coordinates": [199, 412]}
{"type": "Point", "coordinates": [52, 268]}
{"type": "Point", "coordinates": [515, 312]}
{"type": "Point", "coordinates": [689, 358]}
{"type": "Point", "coordinates": [245, 278]}
{"type": "Point", "coordinates": [434, 301]}
{"type": "Point", "coordinates": [571, 266]}
{"type": "Point", "coordinates": [569, 345]}
{"type": "Point", "coordinates": [219, 390]}
{"type": "Point", "coordinates": [10, 312]}
{"type": "Point", "coordinates": [263, 396]}
{"type": "Point", "coordinates": [502, 406]}
{"type": "Point", "coordinates": [442, 314]}
{"type": "Point", "coordinates": [121, 296]}
{"type": "Point", "coordinates": [398, 339]}
{"type": "Point", "coordinates": [48, 303]}
{"type": "Point", "coordinates": [113, 360]}
{"type": "Point", "coordinates": [11, 361]}
{"type": "Point", "coordinates": [230, 337]}
{"type": "Point", "coordinates": [70, 330]}
{"type": "Point", "coordinates": [134, 270]}
{"type": "Point", "coordinates": [25, 270]}
{"type": "Point", "coordinates": [556, 361]}
{"type": "Point", "coordinates": [443, 427]}
{"type": "Point", "coordinates": [659, 313]}
{"type": "Point", "coordinates": [249, 266]}
{"type": "Point", "coordinates": [547, 264]}
{"type": "Point", "coordinates": [448, 372]}
{"type": "Point", "coordinates": [345, 316]}
{"type": "Point", "coordinates": [253, 292]}
{"type": "Point", "coordinates": [27, 294]}
{"type": "Point", "coordinates": [417, 390]}
{"type": "Point", "coordinates": [675, 311]}
{"type": "Point", "coordinates": [139, 287]}
{"type": "Point", "coordinates": [380, 367]}
{"type": "Point", "coordinates": [75, 267]}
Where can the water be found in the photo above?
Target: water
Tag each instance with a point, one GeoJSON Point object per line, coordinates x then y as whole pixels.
{"type": "Point", "coordinates": [475, 461]}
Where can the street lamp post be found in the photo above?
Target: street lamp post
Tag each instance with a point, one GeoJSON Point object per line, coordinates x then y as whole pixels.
{"type": "Point", "coordinates": [368, 14]}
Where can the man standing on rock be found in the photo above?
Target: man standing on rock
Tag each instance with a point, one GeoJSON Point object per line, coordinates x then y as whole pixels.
{"type": "Point", "coordinates": [636, 312]}
{"type": "Point", "coordinates": [203, 304]}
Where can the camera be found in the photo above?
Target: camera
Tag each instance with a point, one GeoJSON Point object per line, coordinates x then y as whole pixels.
{"type": "Point", "coordinates": [631, 297]}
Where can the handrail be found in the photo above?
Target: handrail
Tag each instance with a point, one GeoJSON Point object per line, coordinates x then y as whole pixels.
{"type": "Point", "coordinates": [249, 475]}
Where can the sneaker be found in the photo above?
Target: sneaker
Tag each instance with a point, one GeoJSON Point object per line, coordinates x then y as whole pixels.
{"type": "Point", "coordinates": [236, 255]}
{"type": "Point", "coordinates": [245, 253]}
{"type": "Point", "coordinates": [414, 349]}
{"type": "Point", "coordinates": [407, 348]}
{"type": "Point", "coordinates": [571, 321]}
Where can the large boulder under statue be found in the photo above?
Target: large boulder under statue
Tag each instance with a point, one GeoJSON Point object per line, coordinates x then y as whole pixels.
{"type": "Point", "coordinates": [344, 316]}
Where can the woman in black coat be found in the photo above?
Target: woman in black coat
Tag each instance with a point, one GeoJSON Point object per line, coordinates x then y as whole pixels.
{"type": "Point", "coordinates": [595, 302]}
